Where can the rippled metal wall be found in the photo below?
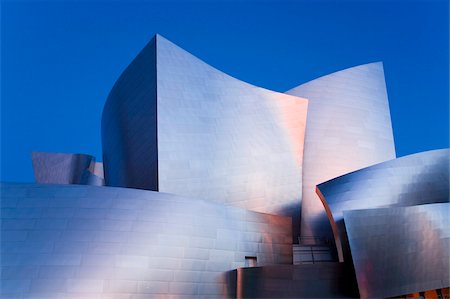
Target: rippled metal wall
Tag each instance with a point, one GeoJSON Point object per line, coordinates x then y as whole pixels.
{"type": "Point", "coordinates": [72, 241]}
{"type": "Point", "coordinates": [401, 250]}
{"type": "Point", "coordinates": [348, 128]}
{"type": "Point", "coordinates": [411, 180]}
{"type": "Point", "coordinates": [62, 168]}
{"type": "Point", "coordinates": [218, 138]}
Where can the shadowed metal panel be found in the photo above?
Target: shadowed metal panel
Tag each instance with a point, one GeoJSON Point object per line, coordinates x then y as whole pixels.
{"type": "Point", "coordinates": [129, 137]}
{"type": "Point", "coordinates": [62, 168]}
{"type": "Point", "coordinates": [94, 176]}
{"type": "Point", "coordinates": [411, 180]}
{"type": "Point", "coordinates": [348, 128]}
{"type": "Point", "coordinates": [218, 138]}
{"type": "Point", "coordinates": [72, 241]}
{"type": "Point", "coordinates": [326, 280]}
{"type": "Point", "coordinates": [402, 250]}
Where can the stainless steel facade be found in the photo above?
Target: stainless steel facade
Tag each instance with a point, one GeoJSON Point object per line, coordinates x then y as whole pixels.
{"type": "Point", "coordinates": [201, 133]}
{"type": "Point", "coordinates": [62, 168]}
{"type": "Point", "coordinates": [225, 151]}
{"type": "Point", "coordinates": [417, 179]}
{"type": "Point", "coordinates": [72, 241]}
{"type": "Point", "coordinates": [348, 128]}
{"type": "Point", "coordinates": [400, 250]}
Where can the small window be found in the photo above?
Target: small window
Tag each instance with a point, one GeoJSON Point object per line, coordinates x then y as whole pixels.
{"type": "Point", "coordinates": [250, 261]}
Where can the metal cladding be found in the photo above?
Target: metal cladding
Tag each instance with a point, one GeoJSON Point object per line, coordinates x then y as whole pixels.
{"type": "Point", "coordinates": [400, 250]}
{"type": "Point", "coordinates": [73, 241]}
{"type": "Point", "coordinates": [411, 180]}
{"type": "Point", "coordinates": [174, 124]}
{"type": "Point", "coordinates": [235, 164]}
{"type": "Point", "coordinates": [348, 128]}
{"type": "Point", "coordinates": [61, 168]}
{"type": "Point", "coordinates": [129, 125]}
{"type": "Point", "coordinates": [326, 280]}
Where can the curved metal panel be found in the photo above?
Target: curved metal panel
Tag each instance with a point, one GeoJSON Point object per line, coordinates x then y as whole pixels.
{"type": "Point", "coordinates": [129, 138]}
{"type": "Point", "coordinates": [62, 168]}
{"type": "Point", "coordinates": [401, 250]}
{"type": "Point", "coordinates": [348, 128]}
{"type": "Point", "coordinates": [218, 138]}
{"type": "Point", "coordinates": [411, 180]}
{"type": "Point", "coordinates": [67, 241]}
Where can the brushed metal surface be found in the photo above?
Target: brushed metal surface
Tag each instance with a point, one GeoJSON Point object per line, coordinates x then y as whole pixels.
{"type": "Point", "coordinates": [129, 125]}
{"type": "Point", "coordinates": [174, 124]}
{"type": "Point", "coordinates": [73, 241]}
{"type": "Point", "coordinates": [410, 180]}
{"type": "Point", "coordinates": [348, 128]}
{"type": "Point", "coordinates": [62, 168]}
{"type": "Point", "coordinates": [327, 280]}
{"type": "Point", "coordinates": [400, 250]}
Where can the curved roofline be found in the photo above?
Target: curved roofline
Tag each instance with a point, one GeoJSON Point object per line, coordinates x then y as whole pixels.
{"type": "Point", "coordinates": [219, 70]}
{"type": "Point", "coordinates": [155, 40]}
{"type": "Point", "coordinates": [336, 72]}
{"type": "Point", "coordinates": [387, 161]}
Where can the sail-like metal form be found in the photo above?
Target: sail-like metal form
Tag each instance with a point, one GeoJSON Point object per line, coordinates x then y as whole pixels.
{"type": "Point", "coordinates": [174, 124]}
{"type": "Point", "coordinates": [401, 250]}
{"type": "Point", "coordinates": [416, 179]}
{"type": "Point", "coordinates": [231, 163]}
{"type": "Point", "coordinates": [348, 128]}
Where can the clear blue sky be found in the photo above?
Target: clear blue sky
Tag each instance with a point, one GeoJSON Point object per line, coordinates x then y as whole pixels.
{"type": "Point", "coordinates": [59, 60]}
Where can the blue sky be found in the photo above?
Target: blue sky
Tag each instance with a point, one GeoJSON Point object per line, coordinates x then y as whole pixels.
{"type": "Point", "coordinates": [59, 59]}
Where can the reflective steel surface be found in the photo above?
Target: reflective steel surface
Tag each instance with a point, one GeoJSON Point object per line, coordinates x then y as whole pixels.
{"type": "Point", "coordinates": [129, 125]}
{"type": "Point", "coordinates": [327, 280]}
{"type": "Point", "coordinates": [217, 138]}
{"type": "Point", "coordinates": [62, 168]}
{"type": "Point", "coordinates": [73, 241]}
{"type": "Point", "coordinates": [411, 180]}
{"type": "Point", "coordinates": [400, 250]}
{"type": "Point", "coordinates": [230, 157]}
{"type": "Point", "coordinates": [348, 128]}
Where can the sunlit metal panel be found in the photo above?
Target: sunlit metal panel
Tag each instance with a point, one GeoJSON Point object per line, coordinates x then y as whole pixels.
{"type": "Point", "coordinates": [348, 128]}
{"type": "Point", "coordinates": [400, 250]}
{"type": "Point", "coordinates": [411, 180]}
{"type": "Point", "coordinates": [173, 123]}
{"type": "Point", "coordinates": [72, 241]}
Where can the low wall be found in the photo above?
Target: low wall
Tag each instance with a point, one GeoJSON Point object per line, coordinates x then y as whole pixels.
{"type": "Point", "coordinates": [72, 241]}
